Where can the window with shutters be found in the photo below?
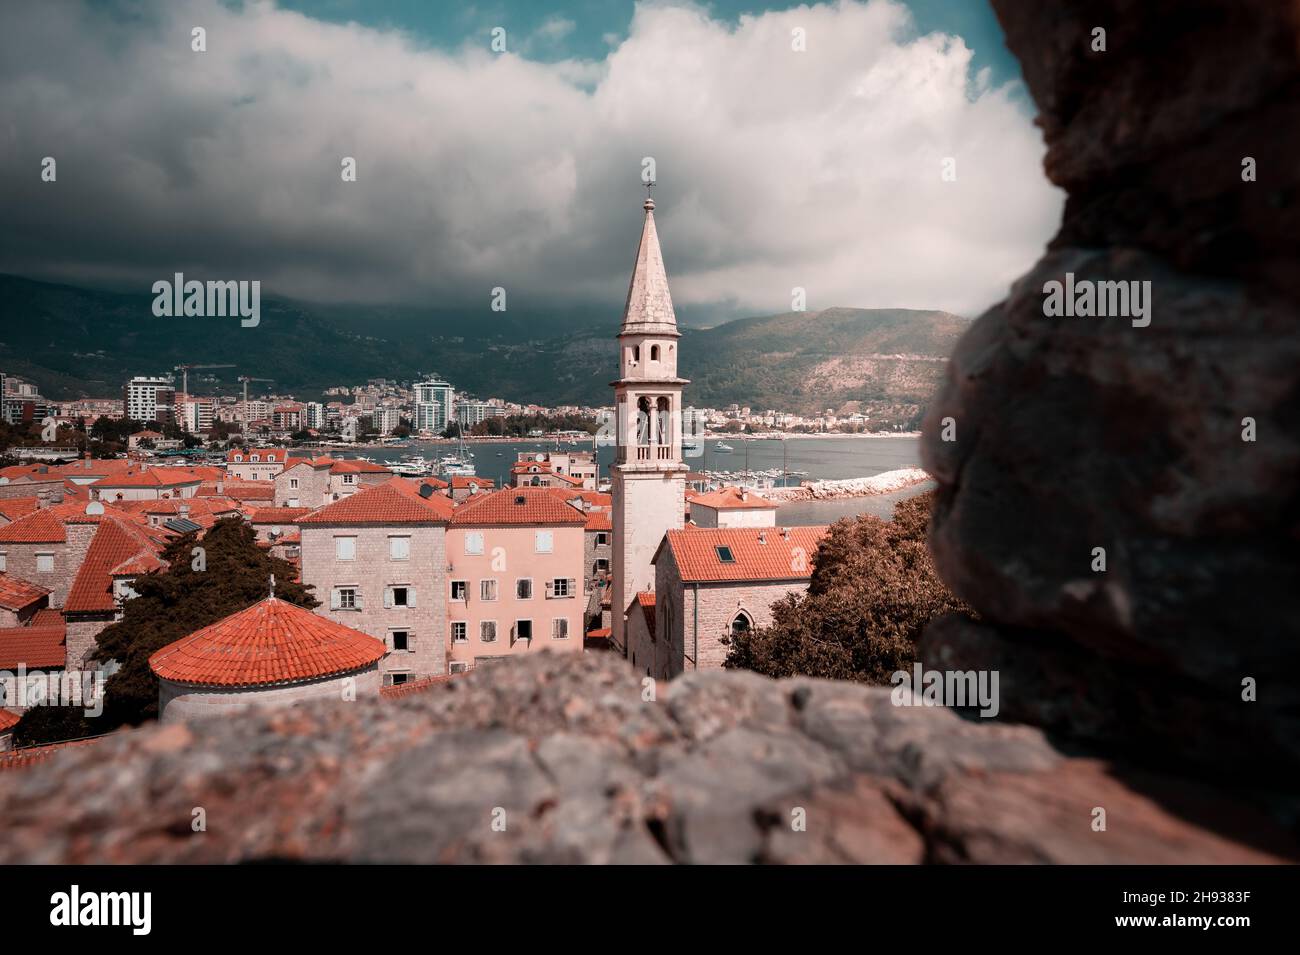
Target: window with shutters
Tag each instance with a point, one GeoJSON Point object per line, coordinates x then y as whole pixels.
{"type": "Point", "coordinates": [349, 479]}
{"type": "Point", "coordinates": [399, 596]}
{"type": "Point", "coordinates": [399, 548]}
{"type": "Point", "coordinates": [459, 631]}
{"type": "Point", "coordinates": [473, 542]}
{"type": "Point", "coordinates": [401, 640]}
{"type": "Point", "coordinates": [602, 538]}
{"type": "Point", "coordinates": [524, 588]}
{"type": "Point", "coordinates": [560, 628]}
{"type": "Point", "coordinates": [523, 630]}
{"type": "Point", "coordinates": [487, 631]}
{"type": "Point", "coordinates": [560, 587]}
{"type": "Point", "coordinates": [345, 548]}
{"type": "Point", "coordinates": [345, 598]}
{"type": "Point", "coordinates": [487, 589]}
{"type": "Point", "coordinates": [544, 542]}
{"type": "Point", "coordinates": [4, 563]}
{"type": "Point", "coordinates": [459, 589]}
{"type": "Point", "coordinates": [45, 563]}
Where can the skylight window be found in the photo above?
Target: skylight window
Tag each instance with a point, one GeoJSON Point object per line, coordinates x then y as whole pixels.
{"type": "Point", "coordinates": [725, 555]}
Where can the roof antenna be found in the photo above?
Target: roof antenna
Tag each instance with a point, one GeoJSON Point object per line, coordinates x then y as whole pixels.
{"type": "Point", "coordinates": [273, 585]}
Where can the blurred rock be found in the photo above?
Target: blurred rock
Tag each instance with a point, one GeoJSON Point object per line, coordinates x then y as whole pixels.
{"type": "Point", "coordinates": [1078, 433]}
{"type": "Point", "coordinates": [556, 759]}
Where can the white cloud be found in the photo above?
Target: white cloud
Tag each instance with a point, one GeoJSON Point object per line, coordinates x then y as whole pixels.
{"type": "Point", "coordinates": [777, 168]}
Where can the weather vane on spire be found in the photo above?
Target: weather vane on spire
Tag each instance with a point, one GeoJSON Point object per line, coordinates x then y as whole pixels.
{"type": "Point", "coordinates": [649, 184]}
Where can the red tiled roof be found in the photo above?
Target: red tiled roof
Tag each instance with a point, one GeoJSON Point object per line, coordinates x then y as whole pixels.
{"type": "Point", "coordinates": [265, 455]}
{"type": "Point", "coordinates": [269, 642]}
{"type": "Point", "coordinates": [8, 720]}
{"type": "Point", "coordinates": [518, 505]}
{"type": "Point", "coordinates": [119, 548]}
{"type": "Point", "coordinates": [397, 691]}
{"type": "Point", "coordinates": [16, 507]}
{"type": "Point", "coordinates": [599, 521]}
{"type": "Point", "coordinates": [38, 527]}
{"type": "Point", "coordinates": [460, 482]}
{"type": "Point", "coordinates": [695, 551]}
{"type": "Point", "coordinates": [598, 633]}
{"type": "Point", "coordinates": [16, 593]}
{"type": "Point", "coordinates": [47, 617]}
{"type": "Point", "coordinates": [646, 601]}
{"type": "Point", "coordinates": [150, 477]}
{"type": "Point", "coordinates": [278, 515]}
{"type": "Point", "coordinates": [33, 647]}
{"type": "Point", "coordinates": [239, 490]}
{"type": "Point", "coordinates": [731, 499]}
{"type": "Point", "coordinates": [595, 499]}
{"type": "Point", "coordinates": [393, 502]}
{"type": "Point", "coordinates": [357, 467]}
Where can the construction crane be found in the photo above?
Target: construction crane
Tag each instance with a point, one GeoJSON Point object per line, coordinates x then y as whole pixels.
{"type": "Point", "coordinates": [185, 376]}
{"type": "Point", "coordinates": [245, 378]}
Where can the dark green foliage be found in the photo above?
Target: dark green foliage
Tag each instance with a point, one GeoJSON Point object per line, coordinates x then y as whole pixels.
{"type": "Point", "coordinates": [873, 590]}
{"type": "Point", "coordinates": [171, 604]}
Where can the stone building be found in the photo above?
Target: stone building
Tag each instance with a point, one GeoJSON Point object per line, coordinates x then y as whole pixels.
{"type": "Point", "coordinates": [731, 507]}
{"type": "Point", "coordinates": [711, 583]}
{"type": "Point", "coordinates": [514, 561]}
{"type": "Point", "coordinates": [320, 481]}
{"type": "Point", "coordinates": [255, 464]}
{"type": "Point", "coordinates": [648, 477]}
{"type": "Point", "coordinates": [19, 600]}
{"type": "Point", "coordinates": [378, 562]}
{"type": "Point", "coordinates": [271, 654]}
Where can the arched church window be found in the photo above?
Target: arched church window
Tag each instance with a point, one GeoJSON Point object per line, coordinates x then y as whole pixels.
{"type": "Point", "coordinates": [654, 352]}
{"type": "Point", "coordinates": [741, 624]}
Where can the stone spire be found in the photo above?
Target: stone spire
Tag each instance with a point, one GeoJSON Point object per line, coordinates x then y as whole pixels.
{"type": "Point", "coordinates": [649, 308]}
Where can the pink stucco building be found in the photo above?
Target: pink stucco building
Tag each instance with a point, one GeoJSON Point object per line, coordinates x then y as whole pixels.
{"type": "Point", "coordinates": [514, 576]}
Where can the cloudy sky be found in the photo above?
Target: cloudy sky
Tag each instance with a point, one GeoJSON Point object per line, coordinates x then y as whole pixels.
{"type": "Point", "coordinates": [777, 168]}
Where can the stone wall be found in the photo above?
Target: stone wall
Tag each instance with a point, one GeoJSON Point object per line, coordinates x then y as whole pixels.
{"type": "Point", "coordinates": [568, 751]}
{"type": "Point", "coordinates": [1081, 433]}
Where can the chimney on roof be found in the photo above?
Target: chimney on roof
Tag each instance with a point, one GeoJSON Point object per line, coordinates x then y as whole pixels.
{"type": "Point", "coordinates": [183, 510]}
{"type": "Point", "coordinates": [744, 495]}
{"type": "Point", "coordinates": [762, 537]}
{"type": "Point", "coordinates": [785, 532]}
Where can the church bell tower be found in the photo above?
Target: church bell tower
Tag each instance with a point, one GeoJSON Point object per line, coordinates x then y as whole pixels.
{"type": "Point", "coordinates": [649, 476]}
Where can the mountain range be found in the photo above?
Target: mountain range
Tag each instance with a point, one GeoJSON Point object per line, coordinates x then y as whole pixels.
{"type": "Point", "coordinates": [76, 342]}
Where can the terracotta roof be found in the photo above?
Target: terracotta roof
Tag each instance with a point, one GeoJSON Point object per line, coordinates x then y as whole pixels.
{"type": "Point", "coordinates": [150, 477]}
{"type": "Point", "coordinates": [598, 633]}
{"type": "Point", "coordinates": [357, 467]}
{"type": "Point", "coordinates": [38, 527]}
{"type": "Point", "coordinates": [16, 593]}
{"type": "Point", "coordinates": [32, 647]}
{"type": "Point", "coordinates": [599, 521]}
{"type": "Point", "coordinates": [16, 507]}
{"type": "Point", "coordinates": [267, 643]}
{"type": "Point", "coordinates": [593, 498]}
{"type": "Point", "coordinates": [410, 687]}
{"type": "Point", "coordinates": [47, 617]}
{"type": "Point", "coordinates": [646, 601]}
{"type": "Point", "coordinates": [460, 482]}
{"type": "Point", "coordinates": [731, 499]}
{"type": "Point", "coordinates": [8, 720]}
{"type": "Point", "coordinates": [239, 490]}
{"type": "Point", "coordinates": [119, 548]}
{"type": "Point", "coordinates": [392, 502]}
{"type": "Point", "coordinates": [265, 455]}
{"type": "Point", "coordinates": [695, 550]}
{"type": "Point", "coordinates": [278, 515]}
{"type": "Point", "coordinates": [518, 505]}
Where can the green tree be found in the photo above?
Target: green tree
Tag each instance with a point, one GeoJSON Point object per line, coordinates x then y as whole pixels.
{"type": "Point", "coordinates": [873, 589]}
{"type": "Point", "coordinates": [171, 604]}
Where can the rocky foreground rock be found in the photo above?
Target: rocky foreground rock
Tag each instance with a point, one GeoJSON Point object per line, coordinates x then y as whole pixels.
{"type": "Point", "coordinates": [559, 758]}
{"type": "Point", "coordinates": [1173, 447]}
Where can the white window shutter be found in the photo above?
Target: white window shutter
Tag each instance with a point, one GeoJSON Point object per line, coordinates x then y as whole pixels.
{"type": "Point", "coordinates": [335, 599]}
{"type": "Point", "coordinates": [570, 586]}
{"type": "Point", "coordinates": [550, 587]}
{"type": "Point", "coordinates": [359, 604]}
{"type": "Point", "coordinates": [388, 598]}
{"type": "Point", "coordinates": [410, 596]}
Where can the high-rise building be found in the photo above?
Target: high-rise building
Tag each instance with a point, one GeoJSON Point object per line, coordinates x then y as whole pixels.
{"type": "Point", "coordinates": [432, 405]}
{"type": "Point", "coordinates": [386, 419]}
{"type": "Point", "coordinates": [315, 415]}
{"type": "Point", "coordinates": [150, 399]}
{"type": "Point", "coordinates": [649, 476]}
{"type": "Point", "coordinates": [470, 413]}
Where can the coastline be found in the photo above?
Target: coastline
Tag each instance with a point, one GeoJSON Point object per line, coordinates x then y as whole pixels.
{"type": "Point", "coordinates": [885, 483]}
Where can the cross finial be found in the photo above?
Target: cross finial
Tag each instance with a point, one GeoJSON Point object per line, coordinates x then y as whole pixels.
{"type": "Point", "coordinates": [649, 200]}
